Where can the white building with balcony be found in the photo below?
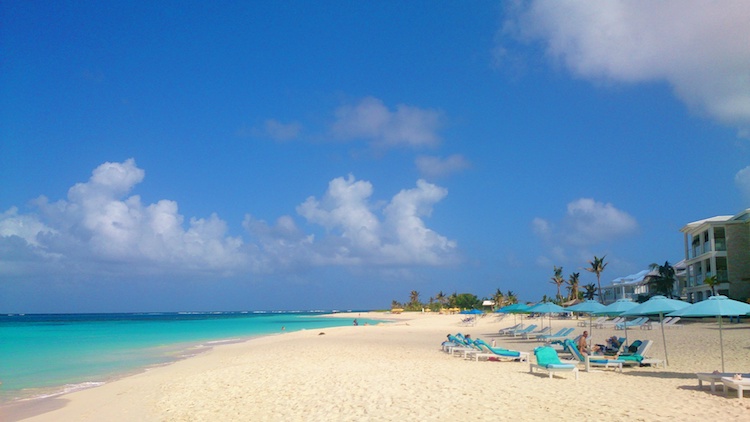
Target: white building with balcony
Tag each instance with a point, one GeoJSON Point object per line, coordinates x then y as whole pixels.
{"type": "Point", "coordinates": [638, 286]}
{"type": "Point", "coordinates": [718, 246]}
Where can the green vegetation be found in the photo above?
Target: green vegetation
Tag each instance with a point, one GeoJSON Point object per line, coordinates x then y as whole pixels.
{"type": "Point", "coordinates": [456, 300]}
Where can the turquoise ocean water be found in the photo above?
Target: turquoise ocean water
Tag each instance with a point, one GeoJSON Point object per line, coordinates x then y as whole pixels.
{"type": "Point", "coordinates": [44, 355]}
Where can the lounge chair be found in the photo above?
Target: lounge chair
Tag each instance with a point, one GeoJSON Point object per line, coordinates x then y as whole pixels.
{"type": "Point", "coordinates": [488, 352]}
{"type": "Point", "coordinates": [714, 377]}
{"type": "Point", "coordinates": [609, 323]}
{"type": "Point", "coordinates": [589, 361]}
{"type": "Point", "coordinates": [523, 331]}
{"type": "Point", "coordinates": [672, 323]}
{"type": "Point", "coordinates": [639, 357]}
{"type": "Point", "coordinates": [509, 329]}
{"type": "Point", "coordinates": [736, 384]}
{"type": "Point", "coordinates": [631, 324]}
{"type": "Point", "coordinates": [548, 360]}
{"type": "Point", "coordinates": [534, 334]}
{"type": "Point", "coordinates": [460, 344]}
{"type": "Point", "coordinates": [560, 335]}
{"type": "Point", "coordinates": [585, 323]}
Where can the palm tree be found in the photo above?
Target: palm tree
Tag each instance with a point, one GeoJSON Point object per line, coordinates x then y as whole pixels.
{"type": "Point", "coordinates": [590, 291]}
{"type": "Point", "coordinates": [441, 298]}
{"type": "Point", "coordinates": [597, 267]}
{"type": "Point", "coordinates": [712, 282]}
{"type": "Point", "coordinates": [558, 280]}
{"type": "Point", "coordinates": [395, 304]}
{"type": "Point", "coordinates": [510, 298]}
{"type": "Point", "coordinates": [499, 299]}
{"type": "Point", "coordinates": [414, 300]}
{"type": "Point", "coordinates": [663, 283]}
{"type": "Point", "coordinates": [573, 285]}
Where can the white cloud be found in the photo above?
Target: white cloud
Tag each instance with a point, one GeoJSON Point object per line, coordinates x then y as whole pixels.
{"type": "Point", "coordinates": [587, 222]}
{"type": "Point", "coordinates": [699, 47]}
{"type": "Point", "coordinates": [360, 236]}
{"type": "Point", "coordinates": [26, 227]}
{"type": "Point", "coordinates": [98, 217]}
{"type": "Point", "coordinates": [372, 121]}
{"type": "Point", "coordinates": [437, 167]}
{"type": "Point", "coordinates": [742, 180]}
{"type": "Point", "coordinates": [98, 228]}
{"type": "Point", "coordinates": [282, 131]}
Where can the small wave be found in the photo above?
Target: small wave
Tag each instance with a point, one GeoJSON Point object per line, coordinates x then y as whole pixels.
{"type": "Point", "coordinates": [65, 389]}
{"type": "Point", "coordinates": [224, 341]}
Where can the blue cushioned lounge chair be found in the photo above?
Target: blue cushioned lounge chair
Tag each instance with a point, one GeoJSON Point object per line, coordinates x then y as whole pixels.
{"type": "Point", "coordinates": [590, 361]}
{"type": "Point", "coordinates": [547, 359]}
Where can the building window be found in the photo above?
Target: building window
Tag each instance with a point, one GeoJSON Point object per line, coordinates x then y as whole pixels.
{"type": "Point", "coordinates": [720, 240]}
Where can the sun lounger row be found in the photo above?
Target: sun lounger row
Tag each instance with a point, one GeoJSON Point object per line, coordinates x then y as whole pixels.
{"type": "Point", "coordinates": [518, 331]}
{"type": "Point", "coordinates": [478, 349]}
{"type": "Point", "coordinates": [631, 324]}
{"type": "Point", "coordinates": [560, 335]}
{"type": "Point", "coordinates": [586, 323]}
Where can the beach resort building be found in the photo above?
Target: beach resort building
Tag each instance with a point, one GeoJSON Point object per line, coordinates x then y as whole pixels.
{"type": "Point", "coordinates": [638, 286]}
{"type": "Point", "coordinates": [718, 246]}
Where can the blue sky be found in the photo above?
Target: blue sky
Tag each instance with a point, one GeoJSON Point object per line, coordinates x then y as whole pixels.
{"type": "Point", "coordinates": [339, 154]}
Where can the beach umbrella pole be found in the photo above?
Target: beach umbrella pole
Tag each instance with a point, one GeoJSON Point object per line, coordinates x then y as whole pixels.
{"type": "Point", "coordinates": [721, 342]}
{"type": "Point", "coordinates": [664, 338]}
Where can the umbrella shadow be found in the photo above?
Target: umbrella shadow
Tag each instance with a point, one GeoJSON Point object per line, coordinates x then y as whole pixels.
{"type": "Point", "coordinates": [663, 374]}
{"type": "Point", "coordinates": [732, 327]}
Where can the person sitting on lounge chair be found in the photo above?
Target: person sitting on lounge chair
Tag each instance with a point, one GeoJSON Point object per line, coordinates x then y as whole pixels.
{"type": "Point", "coordinates": [612, 347]}
{"type": "Point", "coordinates": [583, 344]}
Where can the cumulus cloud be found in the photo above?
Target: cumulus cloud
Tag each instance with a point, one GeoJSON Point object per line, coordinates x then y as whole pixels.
{"type": "Point", "coordinates": [372, 121]}
{"type": "Point", "coordinates": [433, 167]}
{"type": "Point", "coordinates": [700, 48]}
{"type": "Point", "coordinates": [98, 217]}
{"type": "Point", "coordinates": [742, 180]}
{"type": "Point", "coordinates": [399, 237]}
{"type": "Point", "coordinates": [587, 222]}
{"type": "Point", "coordinates": [100, 226]}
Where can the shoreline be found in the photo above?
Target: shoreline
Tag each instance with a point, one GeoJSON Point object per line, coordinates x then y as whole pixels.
{"type": "Point", "coordinates": [391, 371]}
{"type": "Point", "coordinates": [43, 399]}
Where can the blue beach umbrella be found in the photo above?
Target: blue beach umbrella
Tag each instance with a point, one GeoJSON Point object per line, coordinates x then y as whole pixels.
{"type": "Point", "coordinates": [515, 308]}
{"type": "Point", "coordinates": [546, 308]}
{"type": "Point", "coordinates": [718, 306]}
{"type": "Point", "coordinates": [587, 307]}
{"type": "Point", "coordinates": [658, 305]}
{"type": "Point", "coordinates": [616, 308]}
{"type": "Point", "coordinates": [472, 312]}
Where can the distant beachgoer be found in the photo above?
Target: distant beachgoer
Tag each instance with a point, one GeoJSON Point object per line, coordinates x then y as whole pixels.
{"type": "Point", "coordinates": [356, 322]}
{"type": "Point", "coordinates": [283, 328]}
{"type": "Point", "coordinates": [448, 342]}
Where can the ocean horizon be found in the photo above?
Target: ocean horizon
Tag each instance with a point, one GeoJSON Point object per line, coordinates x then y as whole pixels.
{"type": "Point", "coordinates": [44, 355]}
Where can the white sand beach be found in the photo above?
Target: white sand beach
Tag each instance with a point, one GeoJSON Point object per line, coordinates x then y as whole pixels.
{"type": "Point", "coordinates": [397, 371]}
